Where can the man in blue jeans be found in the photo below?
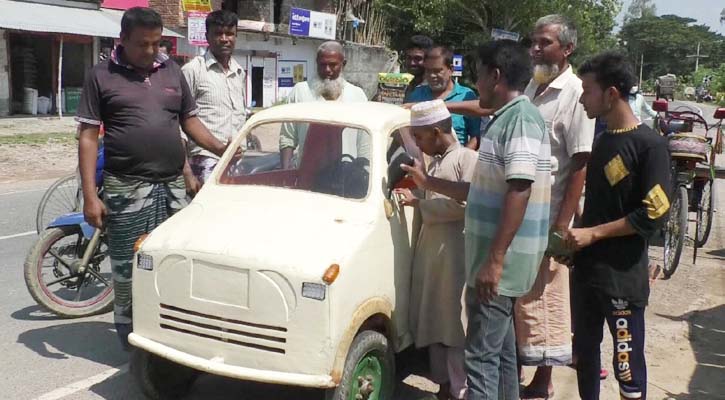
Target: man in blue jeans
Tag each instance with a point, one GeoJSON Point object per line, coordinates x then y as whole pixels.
{"type": "Point", "coordinates": [507, 217]}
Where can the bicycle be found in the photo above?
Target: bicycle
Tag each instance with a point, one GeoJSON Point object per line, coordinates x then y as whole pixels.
{"type": "Point", "coordinates": [693, 175]}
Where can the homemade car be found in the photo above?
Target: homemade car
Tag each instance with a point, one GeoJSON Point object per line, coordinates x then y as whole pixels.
{"type": "Point", "coordinates": [296, 276]}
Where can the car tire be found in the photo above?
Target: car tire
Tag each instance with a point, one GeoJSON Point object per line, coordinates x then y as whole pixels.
{"type": "Point", "coordinates": [370, 356]}
{"type": "Point", "coordinates": [159, 378]}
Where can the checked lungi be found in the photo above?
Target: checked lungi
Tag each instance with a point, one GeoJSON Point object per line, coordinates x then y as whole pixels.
{"type": "Point", "coordinates": [135, 207]}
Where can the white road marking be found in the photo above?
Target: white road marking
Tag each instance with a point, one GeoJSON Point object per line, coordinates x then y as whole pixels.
{"type": "Point", "coordinates": [83, 384]}
{"type": "Point", "coordinates": [22, 191]}
{"type": "Point", "coordinates": [17, 235]}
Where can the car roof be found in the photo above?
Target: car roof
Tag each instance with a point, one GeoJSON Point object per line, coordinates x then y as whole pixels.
{"type": "Point", "coordinates": [373, 116]}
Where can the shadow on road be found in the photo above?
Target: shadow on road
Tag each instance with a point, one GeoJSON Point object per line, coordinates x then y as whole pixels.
{"type": "Point", "coordinates": [717, 253]}
{"type": "Point", "coordinates": [707, 337]}
{"type": "Point", "coordinates": [35, 313]}
{"type": "Point", "coordinates": [91, 340]}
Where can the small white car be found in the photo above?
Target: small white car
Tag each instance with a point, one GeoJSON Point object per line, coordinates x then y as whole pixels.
{"type": "Point", "coordinates": [296, 276]}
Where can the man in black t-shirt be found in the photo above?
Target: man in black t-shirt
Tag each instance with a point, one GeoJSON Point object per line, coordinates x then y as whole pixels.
{"type": "Point", "coordinates": [142, 99]}
{"type": "Point", "coordinates": [627, 200]}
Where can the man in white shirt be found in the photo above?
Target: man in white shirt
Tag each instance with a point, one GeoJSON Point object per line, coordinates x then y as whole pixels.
{"type": "Point", "coordinates": [328, 84]}
{"type": "Point", "coordinates": [542, 317]}
{"type": "Point", "coordinates": [217, 83]}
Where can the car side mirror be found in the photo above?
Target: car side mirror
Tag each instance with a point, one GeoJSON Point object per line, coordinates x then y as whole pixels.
{"type": "Point", "coordinates": [660, 105]}
{"type": "Point", "coordinates": [720, 113]}
{"type": "Point", "coordinates": [395, 172]}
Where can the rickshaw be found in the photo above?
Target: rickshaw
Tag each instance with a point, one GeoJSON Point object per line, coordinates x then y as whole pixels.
{"type": "Point", "coordinates": [693, 148]}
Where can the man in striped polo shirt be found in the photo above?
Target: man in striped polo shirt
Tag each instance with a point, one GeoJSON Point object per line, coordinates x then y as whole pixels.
{"type": "Point", "coordinates": [507, 217]}
{"type": "Point", "coordinates": [218, 83]}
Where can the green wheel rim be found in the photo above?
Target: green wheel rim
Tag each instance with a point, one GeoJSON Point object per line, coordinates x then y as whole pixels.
{"type": "Point", "coordinates": [367, 379]}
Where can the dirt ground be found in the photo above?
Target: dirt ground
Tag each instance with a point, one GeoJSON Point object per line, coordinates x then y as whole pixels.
{"type": "Point", "coordinates": [686, 316]}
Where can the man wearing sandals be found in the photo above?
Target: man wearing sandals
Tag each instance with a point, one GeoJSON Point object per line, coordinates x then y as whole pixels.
{"type": "Point", "coordinates": [626, 201]}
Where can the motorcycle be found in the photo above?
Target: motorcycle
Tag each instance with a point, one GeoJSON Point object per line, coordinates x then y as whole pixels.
{"type": "Point", "coordinates": [68, 270]}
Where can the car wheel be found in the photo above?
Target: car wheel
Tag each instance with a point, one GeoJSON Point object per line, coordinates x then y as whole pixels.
{"type": "Point", "coordinates": [159, 378]}
{"type": "Point", "coordinates": [369, 372]}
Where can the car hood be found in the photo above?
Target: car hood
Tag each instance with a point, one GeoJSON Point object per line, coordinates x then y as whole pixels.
{"type": "Point", "coordinates": [266, 227]}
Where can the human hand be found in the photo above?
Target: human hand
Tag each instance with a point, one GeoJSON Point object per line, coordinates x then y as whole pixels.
{"type": "Point", "coordinates": [416, 171]}
{"type": "Point", "coordinates": [192, 184]}
{"type": "Point", "coordinates": [487, 280]}
{"type": "Point", "coordinates": [94, 211]}
{"type": "Point", "coordinates": [407, 198]}
{"type": "Point", "coordinates": [579, 238]}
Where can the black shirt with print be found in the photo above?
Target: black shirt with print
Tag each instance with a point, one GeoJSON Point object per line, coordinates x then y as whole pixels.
{"type": "Point", "coordinates": [628, 176]}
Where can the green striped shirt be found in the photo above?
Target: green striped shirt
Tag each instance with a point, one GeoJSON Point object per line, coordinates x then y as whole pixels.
{"type": "Point", "coordinates": [515, 146]}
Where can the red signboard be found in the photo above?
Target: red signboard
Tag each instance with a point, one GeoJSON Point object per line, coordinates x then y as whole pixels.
{"type": "Point", "coordinates": [124, 4]}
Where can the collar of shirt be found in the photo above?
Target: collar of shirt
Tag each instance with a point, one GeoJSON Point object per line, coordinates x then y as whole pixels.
{"type": "Point", "coordinates": [450, 148]}
{"type": "Point", "coordinates": [510, 104]}
{"type": "Point", "coordinates": [116, 58]}
{"type": "Point", "coordinates": [210, 60]}
{"type": "Point", "coordinates": [557, 84]}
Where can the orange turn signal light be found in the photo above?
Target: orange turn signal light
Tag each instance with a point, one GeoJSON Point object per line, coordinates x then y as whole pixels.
{"type": "Point", "coordinates": [331, 274]}
{"type": "Point", "coordinates": [139, 242]}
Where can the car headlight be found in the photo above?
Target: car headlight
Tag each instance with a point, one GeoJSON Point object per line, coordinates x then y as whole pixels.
{"type": "Point", "coordinates": [313, 290]}
{"type": "Point", "coordinates": [144, 261]}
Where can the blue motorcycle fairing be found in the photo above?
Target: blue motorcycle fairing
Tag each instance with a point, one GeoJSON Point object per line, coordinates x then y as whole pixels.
{"type": "Point", "coordinates": [74, 219]}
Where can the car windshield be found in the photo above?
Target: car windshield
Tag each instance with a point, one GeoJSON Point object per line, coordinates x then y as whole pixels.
{"type": "Point", "coordinates": [312, 156]}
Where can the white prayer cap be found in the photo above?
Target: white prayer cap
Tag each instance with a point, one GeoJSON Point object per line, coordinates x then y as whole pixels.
{"type": "Point", "coordinates": [428, 113]}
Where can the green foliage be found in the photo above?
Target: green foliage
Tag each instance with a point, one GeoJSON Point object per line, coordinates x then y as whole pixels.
{"type": "Point", "coordinates": [640, 9]}
{"type": "Point", "coordinates": [666, 42]}
{"type": "Point", "coordinates": [464, 24]}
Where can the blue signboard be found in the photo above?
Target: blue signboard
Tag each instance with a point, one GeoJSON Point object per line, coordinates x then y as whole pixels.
{"type": "Point", "coordinates": [457, 65]}
{"type": "Point", "coordinates": [286, 82]}
{"type": "Point", "coordinates": [299, 22]}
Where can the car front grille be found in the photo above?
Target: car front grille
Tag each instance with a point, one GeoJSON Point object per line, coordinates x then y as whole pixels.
{"type": "Point", "coordinates": [241, 333]}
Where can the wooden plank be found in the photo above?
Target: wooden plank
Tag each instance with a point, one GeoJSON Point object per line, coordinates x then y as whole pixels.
{"type": "Point", "coordinates": [705, 172]}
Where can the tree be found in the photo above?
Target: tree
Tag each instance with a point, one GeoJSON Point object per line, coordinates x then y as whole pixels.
{"type": "Point", "coordinates": [666, 41]}
{"type": "Point", "coordinates": [640, 9]}
{"type": "Point", "coordinates": [463, 24]}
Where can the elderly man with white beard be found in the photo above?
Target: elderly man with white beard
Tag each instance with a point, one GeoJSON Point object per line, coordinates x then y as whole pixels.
{"type": "Point", "coordinates": [542, 317]}
{"type": "Point", "coordinates": [329, 84]}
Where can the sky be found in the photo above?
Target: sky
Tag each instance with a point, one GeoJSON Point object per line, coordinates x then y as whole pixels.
{"type": "Point", "coordinates": [704, 11]}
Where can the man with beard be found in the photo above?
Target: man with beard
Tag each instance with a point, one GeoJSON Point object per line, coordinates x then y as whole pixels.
{"type": "Point", "coordinates": [438, 73]}
{"type": "Point", "coordinates": [543, 327]}
{"type": "Point", "coordinates": [627, 186]}
{"type": "Point", "coordinates": [506, 220]}
{"type": "Point", "coordinates": [414, 56]}
{"type": "Point", "coordinates": [217, 82]}
{"type": "Point", "coordinates": [328, 85]}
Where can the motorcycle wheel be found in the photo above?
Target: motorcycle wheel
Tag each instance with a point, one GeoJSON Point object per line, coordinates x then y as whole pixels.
{"type": "Point", "coordinates": [51, 278]}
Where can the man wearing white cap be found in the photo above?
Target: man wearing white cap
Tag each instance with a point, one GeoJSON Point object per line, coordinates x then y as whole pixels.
{"type": "Point", "coordinates": [439, 275]}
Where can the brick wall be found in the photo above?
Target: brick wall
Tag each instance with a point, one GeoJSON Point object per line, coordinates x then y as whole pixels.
{"type": "Point", "coordinates": [170, 11]}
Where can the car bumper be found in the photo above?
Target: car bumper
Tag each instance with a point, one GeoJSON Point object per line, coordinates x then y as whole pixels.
{"type": "Point", "coordinates": [218, 367]}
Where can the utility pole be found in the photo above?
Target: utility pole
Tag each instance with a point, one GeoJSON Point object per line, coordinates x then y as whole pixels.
{"type": "Point", "coordinates": [641, 66]}
{"type": "Point", "coordinates": [697, 57]}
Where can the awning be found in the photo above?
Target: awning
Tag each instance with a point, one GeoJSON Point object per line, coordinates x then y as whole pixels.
{"type": "Point", "coordinates": [55, 19]}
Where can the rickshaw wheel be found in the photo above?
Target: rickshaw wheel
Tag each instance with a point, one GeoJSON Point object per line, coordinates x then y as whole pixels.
{"type": "Point", "coordinates": [675, 230]}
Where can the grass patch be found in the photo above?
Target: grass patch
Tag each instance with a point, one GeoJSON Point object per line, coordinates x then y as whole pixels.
{"type": "Point", "coordinates": [39, 138]}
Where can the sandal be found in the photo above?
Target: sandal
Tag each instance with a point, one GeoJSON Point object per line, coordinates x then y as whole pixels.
{"type": "Point", "coordinates": [528, 393]}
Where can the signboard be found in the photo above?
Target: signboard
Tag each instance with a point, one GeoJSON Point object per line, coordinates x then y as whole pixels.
{"type": "Point", "coordinates": [124, 4]}
{"type": "Point", "coordinates": [197, 28]}
{"type": "Point", "coordinates": [290, 73]}
{"type": "Point", "coordinates": [312, 24]}
{"type": "Point", "coordinates": [457, 65]}
{"type": "Point", "coordinates": [499, 34]}
{"type": "Point", "coordinates": [391, 87]}
{"type": "Point", "coordinates": [196, 5]}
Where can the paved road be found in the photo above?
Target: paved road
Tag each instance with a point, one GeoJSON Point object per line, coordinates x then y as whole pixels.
{"type": "Point", "coordinates": [46, 358]}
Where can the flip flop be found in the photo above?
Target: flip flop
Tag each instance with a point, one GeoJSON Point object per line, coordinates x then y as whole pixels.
{"type": "Point", "coordinates": [530, 394]}
{"type": "Point", "coordinates": [603, 374]}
